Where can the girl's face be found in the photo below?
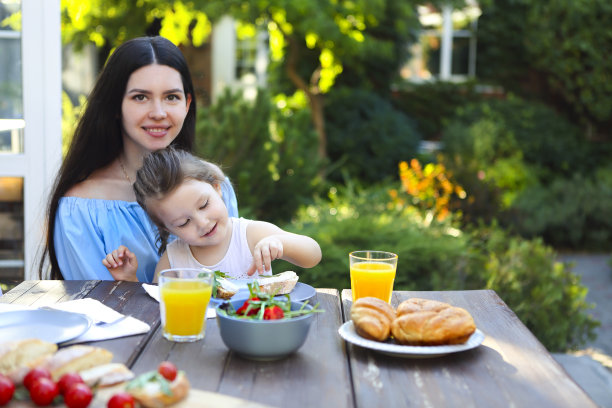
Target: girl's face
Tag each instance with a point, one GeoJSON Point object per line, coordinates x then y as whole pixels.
{"type": "Point", "coordinates": [194, 212]}
{"type": "Point", "coordinates": [154, 107]}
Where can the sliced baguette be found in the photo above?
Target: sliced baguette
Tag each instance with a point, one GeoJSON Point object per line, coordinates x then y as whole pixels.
{"type": "Point", "coordinates": [19, 353]}
{"type": "Point", "coordinates": [75, 359]}
{"type": "Point", "coordinates": [106, 375]}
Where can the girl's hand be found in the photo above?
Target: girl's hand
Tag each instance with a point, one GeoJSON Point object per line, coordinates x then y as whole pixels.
{"type": "Point", "coordinates": [122, 264]}
{"type": "Point", "coordinates": [265, 251]}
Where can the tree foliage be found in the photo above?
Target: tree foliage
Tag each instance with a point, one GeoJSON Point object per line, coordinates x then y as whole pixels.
{"type": "Point", "coordinates": [312, 41]}
{"type": "Point", "coordinates": [556, 51]}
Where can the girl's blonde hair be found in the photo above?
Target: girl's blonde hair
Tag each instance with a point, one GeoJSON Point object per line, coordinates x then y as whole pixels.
{"type": "Point", "coordinates": [163, 171]}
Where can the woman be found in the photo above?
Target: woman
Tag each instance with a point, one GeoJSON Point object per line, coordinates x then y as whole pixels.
{"type": "Point", "coordinates": [143, 101]}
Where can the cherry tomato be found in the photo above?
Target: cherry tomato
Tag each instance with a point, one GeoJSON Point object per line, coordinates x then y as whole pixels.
{"type": "Point", "coordinates": [121, 400]}
{"type": "Point", "coordinates": [7, 389]}
{"type": "Point", "coordinates": [68, 380]}
{"type": "Point", "coordinates": [78, 395]}
{"type": "Point", "coordinates": [34, 374]}
{"type": "Point", "coordinates": [43, 391]}
{"type": "Point", "coordinates": [273, 313]}
{"type": "Point", "coordinates": [167, 370]}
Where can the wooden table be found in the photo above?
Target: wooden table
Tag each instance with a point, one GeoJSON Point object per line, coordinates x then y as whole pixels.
{"type": "Point", "coordinates": [510, 369]}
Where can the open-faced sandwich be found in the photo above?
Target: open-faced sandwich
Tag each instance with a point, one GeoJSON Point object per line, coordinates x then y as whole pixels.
{"type": "Point", "coordinates": [279, 284]}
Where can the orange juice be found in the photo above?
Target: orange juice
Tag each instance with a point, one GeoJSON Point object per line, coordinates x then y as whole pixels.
{"type": "Point", "coordinates": [372, 279]}
{"type": "Point", "coordinates": [183, 308]}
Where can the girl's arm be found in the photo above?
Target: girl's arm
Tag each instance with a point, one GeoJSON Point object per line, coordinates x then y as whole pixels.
{"type": "Point", "coordinates": [268, 242]}
{"type": "Point", "coordinates": [163, 263]}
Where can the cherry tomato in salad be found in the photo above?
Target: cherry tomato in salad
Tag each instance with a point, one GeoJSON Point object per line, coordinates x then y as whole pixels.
{"type": "Point", "coordinates": [167, 370]}
{"type": "Point", "coordinates": [68, 380]}
{"type": "Point", "coordinates": [79, 395]}
{"type": "Point", "coordinates": [43, 391]}
{"type": "Point", "coordinates": [273, 313]}
{"type": "Point", "coordinates": [243, 309]}
{"type": "Point", "coordinates": [121, 400]}
{"type": "Point", "coordinates": [7, 389]}
{"type": "Point", "coordinates": [34, 374]}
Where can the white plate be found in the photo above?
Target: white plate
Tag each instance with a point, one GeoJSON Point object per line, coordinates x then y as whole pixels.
{"type": "Point", "coordinates": [348, 333]}
{"type": "Point", "coordinates": [54, 326]}
{"type": "Point", "coordinates": [300, 293]}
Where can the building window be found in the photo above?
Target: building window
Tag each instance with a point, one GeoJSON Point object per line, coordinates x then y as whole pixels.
{"type": "Point", "coordinates": [446, 49]}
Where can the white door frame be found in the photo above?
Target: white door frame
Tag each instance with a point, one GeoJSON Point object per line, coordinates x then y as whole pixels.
{"type": "Point", "coordinates": [42, 93]}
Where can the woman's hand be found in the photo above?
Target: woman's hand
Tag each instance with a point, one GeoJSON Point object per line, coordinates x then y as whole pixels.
{"type": "Point", "coordinates": [265, 251]}
{"type": "Point", "coordinates": [122, 264]}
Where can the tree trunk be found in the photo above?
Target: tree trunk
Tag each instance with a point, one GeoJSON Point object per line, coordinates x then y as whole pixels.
{"type": "Point", "coordinates": [315, 98]}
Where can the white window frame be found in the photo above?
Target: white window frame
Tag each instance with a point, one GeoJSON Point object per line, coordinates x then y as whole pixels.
{"type": "Point", "coordinates": [224, 61]}
{"type": "Point", "coordinates": [446, 33]}
{"type": "Point", "coordinates": [41, 81]}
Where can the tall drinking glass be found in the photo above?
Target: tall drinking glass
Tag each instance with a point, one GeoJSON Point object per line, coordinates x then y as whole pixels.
{"type": "Point", "coordinates": [372, 274]}
{"type": "Point", "coordinates": [184, 297]}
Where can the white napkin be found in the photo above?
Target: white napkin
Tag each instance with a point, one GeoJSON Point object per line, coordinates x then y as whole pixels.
{"type": "Point", "coordinates": [153, 291]}
{"type": "Point", "coordinates": [97, 312]}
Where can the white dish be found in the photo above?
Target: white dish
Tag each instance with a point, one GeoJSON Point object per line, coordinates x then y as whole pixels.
{"type": "Point", "coordinates": [300, 293]}
{"type": "Point", "coordinates": [348, 333]}
{"type": "Point", "coordinates": [54, 326]}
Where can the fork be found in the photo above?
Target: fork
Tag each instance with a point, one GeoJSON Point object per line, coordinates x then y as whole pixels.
{"type": "Point", "coordinates": [104, 324]}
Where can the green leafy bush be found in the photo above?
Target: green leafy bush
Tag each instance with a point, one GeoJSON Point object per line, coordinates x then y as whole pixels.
{"type": "Point", "coordinates": [366, 136]}
{"type": "Point", "coordinates": [545, 295]}
{"type": "Point", "coordinates": [269, 155]}
{"type": "Point", "coordinates": [431, 105]}
{"type": "Point", "coordinates": [497, 149]}
{"type": "Point", "coordinates": [554, 51]}
{"type": "Point", "coordinates": [571, 212]}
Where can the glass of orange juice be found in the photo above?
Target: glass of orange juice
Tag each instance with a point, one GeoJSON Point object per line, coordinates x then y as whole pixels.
{"type": "Point", "coordinates": [372, 274]}
{"type": "Point", "coordinates": [184, 296]}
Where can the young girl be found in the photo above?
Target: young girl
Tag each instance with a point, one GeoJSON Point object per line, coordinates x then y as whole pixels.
{"type": "Point", "coordinates": [182, 195]}
{"type": "Point", "coordinates": [142, 101]}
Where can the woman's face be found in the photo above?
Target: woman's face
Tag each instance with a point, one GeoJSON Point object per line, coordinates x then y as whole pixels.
{"type": "Point", "coordinates": [154, 107]}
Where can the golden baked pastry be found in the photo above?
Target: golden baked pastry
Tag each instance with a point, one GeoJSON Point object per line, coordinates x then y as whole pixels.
{"type": "Point", "coordinates": [372, 318]}
{"type": "Point", "coordinates": [428, 322]}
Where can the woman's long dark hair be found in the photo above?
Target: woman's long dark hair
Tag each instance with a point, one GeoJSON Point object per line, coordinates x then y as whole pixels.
{"type": "Point", "coordinates": [97, 140]}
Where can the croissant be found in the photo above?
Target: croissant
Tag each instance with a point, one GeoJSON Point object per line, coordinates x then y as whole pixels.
{"type": "Point", "coordinates": [372, 318]}
{"type": "Point", "coordinates": [428, 322]}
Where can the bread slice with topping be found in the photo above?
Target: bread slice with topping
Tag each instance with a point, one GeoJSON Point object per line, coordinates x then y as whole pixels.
{"type": "Point", "coordinates": [279, 284]}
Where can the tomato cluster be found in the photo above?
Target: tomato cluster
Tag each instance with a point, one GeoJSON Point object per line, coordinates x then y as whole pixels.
{"type": "Point", "coordinates": [76, 394]}
{"type": "Point", "coordinates": [43, 390]}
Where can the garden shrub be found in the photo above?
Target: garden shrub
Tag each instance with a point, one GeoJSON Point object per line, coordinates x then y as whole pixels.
{"type": "Point", "coordinates": [547, 297]}
{"type": "Point", "coordinates": [366, 136]}
{"type": "Point", "coordinates": [431, 105]}
{"type": "Point", "coordinates": [571, 212]}
{"type": "Point", "coordinates": [554, 51]}
{"type": "Point", "coordinates": [270, 156]}
{"type": "Point", "coordinates": [433, 255]}
{"type": "Point", "coordinates": [499, 148]}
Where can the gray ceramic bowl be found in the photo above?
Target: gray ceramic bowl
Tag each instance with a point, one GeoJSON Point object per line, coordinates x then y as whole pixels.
{"type": "Point", "coordinates": [264, 339]}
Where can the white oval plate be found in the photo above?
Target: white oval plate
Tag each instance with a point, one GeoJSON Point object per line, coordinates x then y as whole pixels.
{"type": "Point", "coordinates": [54, 326]}
{"type": "Point", "coordinates": [348, 333]}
